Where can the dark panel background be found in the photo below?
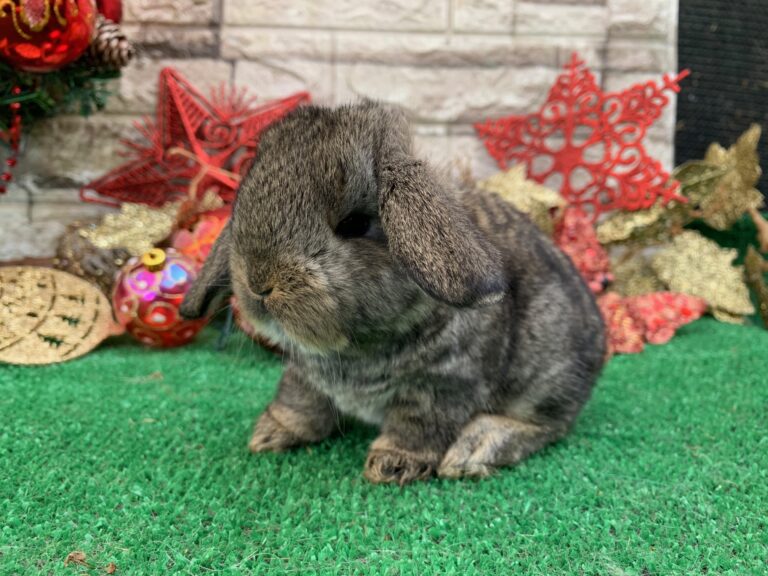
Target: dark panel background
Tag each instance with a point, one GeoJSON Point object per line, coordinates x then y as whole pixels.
{"type": "Point", "coordinates": [725, 44]}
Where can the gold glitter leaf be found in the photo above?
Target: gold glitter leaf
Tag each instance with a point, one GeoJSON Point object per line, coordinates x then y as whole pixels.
{"type": "Point", "coordinates": [635, 277]}
{"type": "Point", "coordinates": [735, 193]}
{"type": "Point", "coordinates": [638, 226]}
{"type": "Point", "coordinates": [49, 316]}
{"type": "Point", "coordinates": [755, 268]}
{"type": "Point", "coordinates": [698, 180]}
{"type": "Point", "coordinates": [695, 265]}
{"type": "Point", "coordinates": [526, 195]}
{"type": "Point", "coordinates": [723, 316]}
{"type": "Point", "coordinates": [136, 228]}
{"type": "Point", "coordinates": [659, 223]}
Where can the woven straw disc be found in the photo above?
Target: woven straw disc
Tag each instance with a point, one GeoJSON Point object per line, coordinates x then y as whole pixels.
{"type": "Point", "coordinates": [49, 316]}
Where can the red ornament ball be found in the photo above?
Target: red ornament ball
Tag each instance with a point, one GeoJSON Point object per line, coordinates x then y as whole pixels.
{"type": "Point", "coordinates": [44, 35]}
{"type": "Point", "coordinates": [147, 296]}
{"type": "Point", "coordinates": [111, 9]}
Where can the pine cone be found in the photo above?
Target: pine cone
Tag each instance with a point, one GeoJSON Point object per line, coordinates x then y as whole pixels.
{"type": "Point", "coordinates": [76, 255]}
{"type": "Point", "coordinates": [110, 49]}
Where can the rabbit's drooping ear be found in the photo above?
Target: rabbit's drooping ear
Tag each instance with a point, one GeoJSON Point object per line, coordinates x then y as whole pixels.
{"type": "Point", "coordinates": [431, 235]}
{"type": "Point", "coordinates": [213, 283]}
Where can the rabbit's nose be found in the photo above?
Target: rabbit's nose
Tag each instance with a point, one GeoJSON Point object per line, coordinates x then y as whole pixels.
{"type": "Point", "coordinates": [264, 294]}
{"type": "Point", "coordinates": [260, 285]}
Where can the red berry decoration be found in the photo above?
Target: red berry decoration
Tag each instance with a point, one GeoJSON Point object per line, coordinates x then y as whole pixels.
{"type": "Point", "coordinates": [44, 35]}
{"type": "Point", "coordinates": [12, 136]}
{"type": "Point", "coordinates": [147, 296]}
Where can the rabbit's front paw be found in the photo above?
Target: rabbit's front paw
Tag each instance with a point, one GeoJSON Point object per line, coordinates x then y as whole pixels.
{"type": "Point", "coordinates": [388, 464]}
{"type": "Point", "coordinates": [270, 435]}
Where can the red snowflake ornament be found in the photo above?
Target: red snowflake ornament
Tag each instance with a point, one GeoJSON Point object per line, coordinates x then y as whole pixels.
{"type": "Point", "coordinates": [575, 235]}
{"type": "Point", "coordinates": [193, 145]}
{"type": "Point", "coordinates": [588, 144]}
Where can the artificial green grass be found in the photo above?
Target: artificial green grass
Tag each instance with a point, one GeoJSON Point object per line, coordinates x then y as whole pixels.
{"type": "Point", "coordinates": [139, 458]}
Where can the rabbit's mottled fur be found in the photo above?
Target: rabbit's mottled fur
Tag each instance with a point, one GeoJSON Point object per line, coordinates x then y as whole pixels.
{"type": "Point", "coordinates": [443, 316]}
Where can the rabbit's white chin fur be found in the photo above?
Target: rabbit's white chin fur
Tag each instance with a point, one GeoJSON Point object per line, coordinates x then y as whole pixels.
{"type": "Point", "coordinates": [273, 331]}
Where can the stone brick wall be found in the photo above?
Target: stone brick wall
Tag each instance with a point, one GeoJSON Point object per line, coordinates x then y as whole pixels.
{"type": "Point", "coordinates": [449, 62]}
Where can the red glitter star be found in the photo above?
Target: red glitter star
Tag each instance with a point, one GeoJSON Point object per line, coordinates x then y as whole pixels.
{"type": "Point", "coordinates": [193, 145]}
{"type": "Point", "coordinates": [588, 144]}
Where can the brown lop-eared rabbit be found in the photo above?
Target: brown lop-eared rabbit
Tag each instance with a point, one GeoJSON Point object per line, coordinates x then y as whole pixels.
{"type": "Point", "coordinates": [441, 315]}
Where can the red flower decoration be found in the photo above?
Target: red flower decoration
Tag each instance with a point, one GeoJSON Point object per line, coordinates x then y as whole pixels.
{"type": "Point", "coordinates": [193, 145]}
{"type": "Point", "coordinates": [575, 235]}
{"type": "Point", "coordinates": [662, 313]}
{"type": "Point", "coordinates": [589, 144]}
{"type": "Point", "coordinates": [652, 318]}
{"type": "Point", "coordinates": [623, 334]}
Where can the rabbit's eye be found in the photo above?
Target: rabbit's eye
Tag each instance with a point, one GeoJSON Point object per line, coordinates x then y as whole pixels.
{"type": "Point", "coordinates": [355, 225]}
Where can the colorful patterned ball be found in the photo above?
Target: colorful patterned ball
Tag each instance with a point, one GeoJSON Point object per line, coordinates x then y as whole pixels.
{"type": "Point", "coordinates": [147, 296]}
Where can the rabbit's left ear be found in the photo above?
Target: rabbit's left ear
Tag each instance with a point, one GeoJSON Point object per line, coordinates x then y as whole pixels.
{"type": "Point", "coordinates": [430, 233]}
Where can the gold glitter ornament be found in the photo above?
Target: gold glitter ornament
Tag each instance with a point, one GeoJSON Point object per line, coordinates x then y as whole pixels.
{"type": "Point", "coordinates": [755, 268]}
{"type": "Point", "coordinates": [136, 228]}
{"type": "Point", "coordinates": [634, 277]}
{"type": "Point", "coordinates": [695, 265]}
{"type": "Point", "coordinates": [49, 316]}
{"type": "Point", "coordinates": [659, 223]}
{"type": "Point", "coordinates": [528, 196]}
{"type": "Point", "coordinates": [735, 193]}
